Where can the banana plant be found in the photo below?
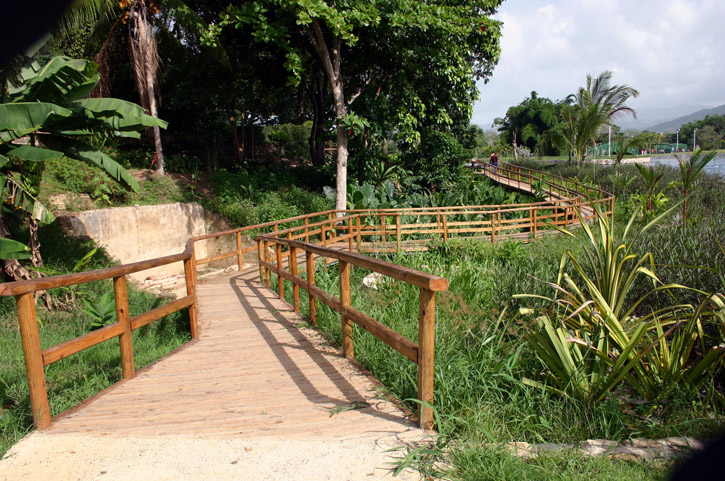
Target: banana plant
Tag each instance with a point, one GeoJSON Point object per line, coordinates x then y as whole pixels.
{"type": "Point", "coordinates": [45, 115]}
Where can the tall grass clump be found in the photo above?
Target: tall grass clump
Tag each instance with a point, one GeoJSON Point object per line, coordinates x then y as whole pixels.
{"type": "Point", "coordinates": [593, 342]}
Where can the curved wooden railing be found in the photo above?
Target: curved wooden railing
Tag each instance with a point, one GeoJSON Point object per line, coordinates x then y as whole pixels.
{"type": "Point", "coordinates": [320, 234]}
{"type": "Point", "coordinates": [554, 185]}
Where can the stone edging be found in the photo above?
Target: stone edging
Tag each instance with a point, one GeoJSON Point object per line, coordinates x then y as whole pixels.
{"type": "Point", "coordinates": [630, 449]}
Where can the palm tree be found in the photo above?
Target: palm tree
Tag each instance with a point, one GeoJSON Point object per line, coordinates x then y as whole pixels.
{"type": "Point", "coordinates": [623, 144]}
{"type": "Point", "coordinates": [578, 129]}
{"type": "Point", "coordinates": [611, 100]}
{"type": "Point", "coordinates": [596, 104]}
{"type": "Point", "coordinates": [140, 17]}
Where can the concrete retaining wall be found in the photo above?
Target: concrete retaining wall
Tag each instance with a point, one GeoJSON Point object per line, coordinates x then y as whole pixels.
{"type": "Point", "coordinates": [137, 233]}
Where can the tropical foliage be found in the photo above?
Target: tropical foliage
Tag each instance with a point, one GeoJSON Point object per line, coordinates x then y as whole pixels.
{"type": "Point", "coordinates": [690, 170]}
{"type": "Point", "coordinates": [593, 339]}
{"type": "Point", "coordinates": [46, 116]}
{"type": "Point", "coordinates": [595, 104]}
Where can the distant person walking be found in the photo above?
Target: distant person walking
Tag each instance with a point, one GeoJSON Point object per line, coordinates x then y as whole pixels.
{"type": "Point", "coordinates": [494, 161]}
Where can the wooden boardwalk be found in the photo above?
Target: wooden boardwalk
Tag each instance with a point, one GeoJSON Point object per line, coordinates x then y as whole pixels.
{"type": "Point", "coordinates": [253, 373]}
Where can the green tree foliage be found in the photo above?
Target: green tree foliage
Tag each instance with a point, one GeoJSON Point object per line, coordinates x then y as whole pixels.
{"type": "Point", "coordinates": [594, 105]}
{"type": "Point", "coordinates": [529, 123]}
{"type": "Point", "coordinates": [438, 160]}
{"type": "Point", "coordinates": [710, 132]}
{"type": "Point", "coordinates": [358, 44]}
{"type": "Point", "coordinates": [143, 20]}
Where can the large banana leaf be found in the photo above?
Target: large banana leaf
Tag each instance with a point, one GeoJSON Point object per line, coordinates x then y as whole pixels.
{"type": "Point", "coordinates": [34, 154]}
{"type": "Point", "coordinates": [60, 80]}
{"type": "Point", "coordinates": [81, 151]}
{"type": "Point", "coordinates": [23, 118]}
{"type": "Point", "coordinates": [10, 249]}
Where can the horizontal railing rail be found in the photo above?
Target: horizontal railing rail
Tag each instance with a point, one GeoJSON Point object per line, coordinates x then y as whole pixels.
{"type": "Point", "coordinates": [554, 185]}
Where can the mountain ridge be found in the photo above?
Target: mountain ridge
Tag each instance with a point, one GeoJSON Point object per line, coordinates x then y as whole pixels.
{"type": "Point", "coordinates": [672, 125]}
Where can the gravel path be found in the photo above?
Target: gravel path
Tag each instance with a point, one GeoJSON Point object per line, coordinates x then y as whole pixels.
{"type": "Point", "coordinates": [61, 457]}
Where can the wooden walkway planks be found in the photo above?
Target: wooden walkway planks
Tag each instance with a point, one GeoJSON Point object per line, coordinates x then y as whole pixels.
{"type": "Point", "coordinates": [253, 373]}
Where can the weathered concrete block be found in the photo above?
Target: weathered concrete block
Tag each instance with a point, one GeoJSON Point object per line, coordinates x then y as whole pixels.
{"type": "Point", "coordinates": [131, 234]}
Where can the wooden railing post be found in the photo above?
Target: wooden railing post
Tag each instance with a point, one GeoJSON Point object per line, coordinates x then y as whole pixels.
{"type": "Point", "coordinates": [493, 228]}
{"type": "Point", "coordinates": [268, 271]}
{"type": "Point", "coordinates": [347, 342]}
{"type": "Point", "coordinates": [124, 319]}
{"type": "Point", "coordinates": [295, 287]}
{"type": "Point", "coordinates": [359, 234]}
{"type": "Point", "coordinates": [310, 283]}
{"type": "Point", "coordinates": [307, 229]}
{"type": "Point", "coordinates": [260, 259]}
{"type": "Point", "coordinates": [30, 337]}
{"type": "Point", "coordinates": [351, 235]}
{"type": "Point", "coordinates": [190, 274]}
{"type": "Point", "coordinates": [445, 227]}
{"type": "Point", "coordinates": [398, 235]}
{"type": "Point", "coordinates": [280, 281]}
{"type": "Point", "coordinates": [240, 260]}
{"type": "Point", "coordinates": [535, 215]}
{"type": "Point", "coordinates": [323, 235]}
{"type": "Point", "coordinates": [426, 356]}
{"type": "Point", "coordinates": [383, 226]}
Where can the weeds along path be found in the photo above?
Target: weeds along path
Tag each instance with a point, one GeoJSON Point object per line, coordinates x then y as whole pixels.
{"type": "Point", "coordinates": [255, 397]}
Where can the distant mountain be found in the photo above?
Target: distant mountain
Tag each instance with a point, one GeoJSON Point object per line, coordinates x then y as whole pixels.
{"type": "Point", "coordinates": [648, 117]}
{"type": "Point", "coordinates": [675, 124]}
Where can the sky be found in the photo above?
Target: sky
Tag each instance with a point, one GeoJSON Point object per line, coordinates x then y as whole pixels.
{"type": "Point", "coordinates": [672, 51]}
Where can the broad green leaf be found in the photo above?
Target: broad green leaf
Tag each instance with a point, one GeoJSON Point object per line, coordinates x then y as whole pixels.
{"type": "Point", "coordinates": [35, 154]}
{"type": "Point", "coordinates": [127, 113]}
{"type": "Point", "coordinates": [19, 119]}
{"type": "Point", "coordinates": [10, 249]}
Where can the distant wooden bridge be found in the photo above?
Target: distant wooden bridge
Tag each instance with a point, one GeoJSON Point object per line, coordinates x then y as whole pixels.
{"type": "Point", "coordinates": [250, 370]}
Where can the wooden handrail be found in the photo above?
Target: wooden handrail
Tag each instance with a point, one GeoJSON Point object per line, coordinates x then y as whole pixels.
{"type": "Point", "coordinates": [44, 283]}
{"type": "Point", "coordinates": [422, 353]}
{"type": "Point", "coordinates": [36, 358]}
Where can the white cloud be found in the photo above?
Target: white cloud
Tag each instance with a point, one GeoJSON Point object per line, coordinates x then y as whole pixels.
{"type": "Point", "coordinates": [670, 50]}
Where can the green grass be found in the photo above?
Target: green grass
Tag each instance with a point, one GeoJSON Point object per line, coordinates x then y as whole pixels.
{"type": "Point", "coordinates": [77, 377]}
{"type": "Point", "coordinates": [484, 464]}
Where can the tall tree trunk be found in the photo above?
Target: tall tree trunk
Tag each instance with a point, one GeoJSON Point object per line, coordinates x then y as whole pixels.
{"type": "Point", "coordinates": [516, 153]}
{"type": "Point", "coordinates": [341, 183]}
{"type": "Point", "coordinates": [145, 67]}
{"type": "Point", "coordinates": [153, 109]}
{"type": "Point", "coordinates": [244, 133]}
{"type": "Point", "coordinates": [331, 59]}
{"type": "Point", "coordinates": [317, 92]}
{"type": "Point", "coordinates": [233, 124]}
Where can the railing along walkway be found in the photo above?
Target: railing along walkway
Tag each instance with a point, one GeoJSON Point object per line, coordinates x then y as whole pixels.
{"type": "Point", "coordinates": [251, 373]}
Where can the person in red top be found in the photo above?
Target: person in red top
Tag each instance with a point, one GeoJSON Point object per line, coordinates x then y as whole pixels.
{"type": "Point", "coordinates": [494, 161]}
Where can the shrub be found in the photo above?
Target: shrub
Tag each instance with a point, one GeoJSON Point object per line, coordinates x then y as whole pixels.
{"type": "Point", "coordinates": [439, 159]}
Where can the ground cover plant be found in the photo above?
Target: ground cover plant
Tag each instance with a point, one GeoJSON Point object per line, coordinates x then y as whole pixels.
{"type": "Point", "coordinates": [76, 378]}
